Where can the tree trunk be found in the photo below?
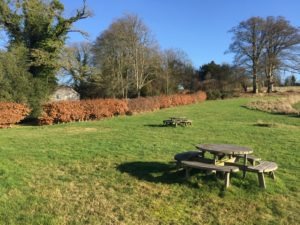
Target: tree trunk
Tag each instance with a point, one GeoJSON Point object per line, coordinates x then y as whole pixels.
{"type": "Point", "coordinates": [167, 87]}
{"type": "Point", "coordinates": [270, 78]}
{"type": "Point", "coordinates": [270, 85]}
{"type": "Point", "coordinates": [139, 93]}
{"type": "Point", "coordinates": [255, 81]}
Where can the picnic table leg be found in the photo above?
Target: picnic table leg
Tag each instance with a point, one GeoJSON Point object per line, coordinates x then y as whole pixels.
{"type": "Point", "coordinates": [187, 172]}
{"type": "Point", "coordinates": [227, 180]}
{"type": "Point", "coordinates": [272, 175]}
{"type": "Point", "coordinates": [178, 165]}
{"type": "Point", "coordinates": [245, 165]}
{"type": "Point", "coordinates": [261, 180]}
{"type": "Point", "coordinates": [215, 159]}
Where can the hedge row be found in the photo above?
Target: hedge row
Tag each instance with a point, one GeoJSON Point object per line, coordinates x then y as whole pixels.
{"type": "Point", "coordinates": [154, 103]}
{"type": "Point", "coordinates": [12, 113]}
{"type": "Point", "coordinates": [67, 111]}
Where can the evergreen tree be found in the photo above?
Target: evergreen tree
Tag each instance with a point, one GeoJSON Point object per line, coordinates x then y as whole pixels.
{"type": "Point", "coordinates": [39, 27]}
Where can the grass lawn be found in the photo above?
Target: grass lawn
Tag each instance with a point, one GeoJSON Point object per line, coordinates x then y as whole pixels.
{"type": "Point", "coordinates": [121, 170]}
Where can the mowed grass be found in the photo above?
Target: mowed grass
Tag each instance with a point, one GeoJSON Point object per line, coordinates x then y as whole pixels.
{"type": "Point", "coordinates": [121, 170]}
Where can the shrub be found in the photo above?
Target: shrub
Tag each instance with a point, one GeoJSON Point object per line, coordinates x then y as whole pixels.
{"type": "Point", "coordinates": [12, 113]}
{"type": "Point", "coordinates": [138, 105]}
{"type": "Point", "coordinates": [213, 94]}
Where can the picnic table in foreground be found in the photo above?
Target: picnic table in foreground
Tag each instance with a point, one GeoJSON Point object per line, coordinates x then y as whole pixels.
{"type": "Point", "coordinates": [226, 160]}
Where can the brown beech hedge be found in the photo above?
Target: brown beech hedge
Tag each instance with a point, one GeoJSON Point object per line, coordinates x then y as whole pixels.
{"type": "Point", "coordinates": [138, 105]}
{"type": "Point", "coordinates": [68, 111]}
{"type": "Point", "coordinates": [12, 113]}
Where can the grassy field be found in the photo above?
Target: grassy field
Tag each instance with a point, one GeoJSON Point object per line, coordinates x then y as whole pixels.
{"type": "Point", "coordinates": [121, 170]}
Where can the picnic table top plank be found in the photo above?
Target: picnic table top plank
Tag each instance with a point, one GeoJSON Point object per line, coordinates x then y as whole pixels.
{"type": "Point", "coordinates": [224, 148]}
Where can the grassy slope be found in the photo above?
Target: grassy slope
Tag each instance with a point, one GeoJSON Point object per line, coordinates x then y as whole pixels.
{"type": "Point", "coordinates": [120, 171]}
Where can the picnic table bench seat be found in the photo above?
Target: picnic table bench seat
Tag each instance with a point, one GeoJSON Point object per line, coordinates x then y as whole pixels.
{"type": "Point", "coordinates": [188, 165]}
{"type": "Point", "coordinates": [187, 156]}
{"type": "Point", "coordinates": [168, 122]}
{"type": "Point", "coordinates": [261, 168]}
{"type": "Point", "coordinates": [250, 158]}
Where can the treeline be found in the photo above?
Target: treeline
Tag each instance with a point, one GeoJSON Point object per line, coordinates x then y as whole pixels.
{"type": "Point", "coordinates": [125, 60]}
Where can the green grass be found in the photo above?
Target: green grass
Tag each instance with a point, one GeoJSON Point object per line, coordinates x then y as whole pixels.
{"type": "Point", "coordinates": [121, 170]}
{"type": "Point", "coordinates": [297, 106]}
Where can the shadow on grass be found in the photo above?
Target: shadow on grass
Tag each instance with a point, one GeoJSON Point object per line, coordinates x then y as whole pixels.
{"type": "Point", "coordinates": [264, 125]}
{"type": "Point", "coordinates": [153, 172]}
{"type": "Point", "coordinates": [154, 125]}
{"type": "Point", "coordinates": [167, 173]}
{"type": "Point", "coordinates": [161, 125]}
{"type": "Point", "coordinates": [295, 115]}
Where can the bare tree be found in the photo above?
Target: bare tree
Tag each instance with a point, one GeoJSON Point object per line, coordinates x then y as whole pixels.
{"type": "Point", "coordinates": [142, 51]}
{"type": "Point", "coordinates": [266, 46]}
{"type": "Point", "coordinates": [177, 70]}
{"type": "Point", "coordinates": [248, 45]}
{"type": "Point", "coordinates": [111, 57]}
{"type": "Point", "coordinates": [76, 62]}
{"type": "Point", "coordinates": [127, 54]}
{"type": "Point", "coordinates": [282, 47]}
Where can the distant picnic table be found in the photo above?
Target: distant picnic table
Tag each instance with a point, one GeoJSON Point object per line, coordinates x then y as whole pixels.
{"type": "Point", "coordinates": [174, 121]}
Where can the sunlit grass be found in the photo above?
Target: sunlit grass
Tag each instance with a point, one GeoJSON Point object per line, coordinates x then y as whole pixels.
{"type": "Point", "coordinates": [297, 106]}
{"type": "Point", "coordinates": [121, 170]}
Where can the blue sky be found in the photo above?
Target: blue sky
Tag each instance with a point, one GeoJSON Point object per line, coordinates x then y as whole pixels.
{"type": "Point", "coordinates": [199, 27]}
